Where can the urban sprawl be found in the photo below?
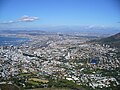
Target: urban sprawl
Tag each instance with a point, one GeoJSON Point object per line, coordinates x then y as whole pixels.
{"type": "Point", "coordinates": [47, 58]}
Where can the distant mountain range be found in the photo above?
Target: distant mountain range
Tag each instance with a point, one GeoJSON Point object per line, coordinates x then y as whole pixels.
{"type": "Point", "coordinates": [21, 31]}
{"type": "Point", "coordinates": [85, 29]}
{"type": "Point", "coordinates": [113, 41]}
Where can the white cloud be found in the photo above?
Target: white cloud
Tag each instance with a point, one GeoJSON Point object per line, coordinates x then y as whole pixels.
{"type": "Point", "coordinates": [26, 18]}
{"type": "Point", "coordinates": [7, 22]}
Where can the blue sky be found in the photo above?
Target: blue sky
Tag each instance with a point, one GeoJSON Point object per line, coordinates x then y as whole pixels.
{"type": "Point", "coordinates": [34, 14]}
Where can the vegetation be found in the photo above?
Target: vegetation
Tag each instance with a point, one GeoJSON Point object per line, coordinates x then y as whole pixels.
{"type": "Point", "coordinates": [9, 87]}
{"type": "Point", "coordinates": [30, 81]}
{"type": "Point", "coordinates": [51, 89]}
{"type": "Point", "coordinates": [63, 83]}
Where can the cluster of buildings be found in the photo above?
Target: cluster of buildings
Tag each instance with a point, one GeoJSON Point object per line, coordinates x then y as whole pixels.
{"type": "Point", "coordinates": [62, 57]}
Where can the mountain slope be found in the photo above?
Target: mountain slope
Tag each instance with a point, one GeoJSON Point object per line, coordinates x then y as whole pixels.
{"type": "Point", "coordinates": [113, 41]}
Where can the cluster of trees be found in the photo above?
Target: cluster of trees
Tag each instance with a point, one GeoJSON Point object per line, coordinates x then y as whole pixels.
{"type": "Point", "coordinates": [63, 83]}
{"type": "Point", "coordinates": [23, 82]}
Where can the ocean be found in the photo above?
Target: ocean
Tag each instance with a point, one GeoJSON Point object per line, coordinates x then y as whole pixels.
{"type": "Point", "coordinates": [5, 41]}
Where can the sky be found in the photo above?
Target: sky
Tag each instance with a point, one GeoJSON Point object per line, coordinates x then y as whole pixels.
{"type": "Point", "coordinates": [36, 14]}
